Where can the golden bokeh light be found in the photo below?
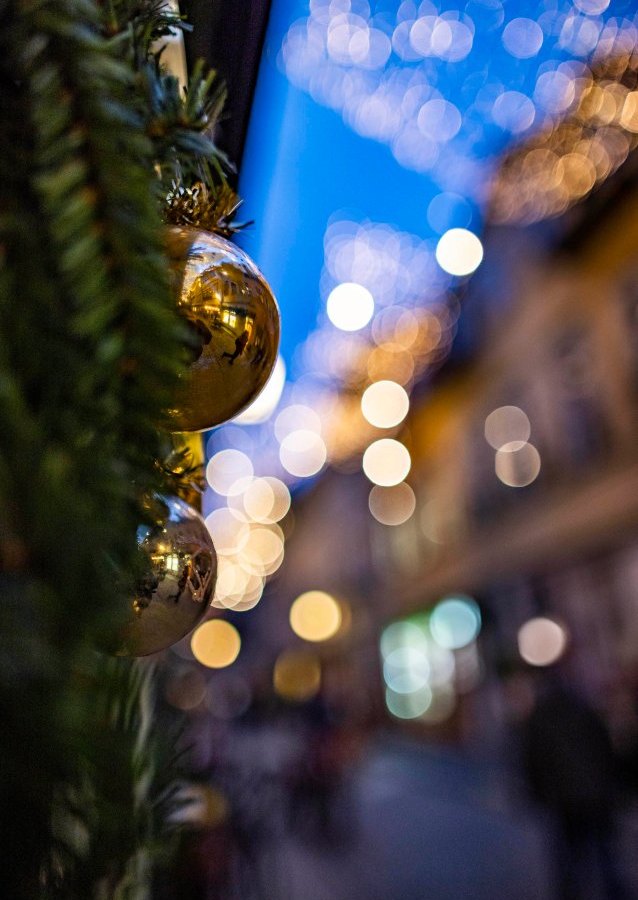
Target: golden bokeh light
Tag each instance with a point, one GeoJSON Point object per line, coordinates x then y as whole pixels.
{"type": "Point", "coordinates": [231, 578]}
{"type": "Point", "coordinates": [385, 404]}
{"type": "Point", "coordinates": [407, 329]}
{"type": "Point", "coordinates": [216, 644]}
{"type": "Point", "coordinates": [266, 500]}
{"type": "Point", "coordinates": [390, 361]}
{"type": "Point", "coordinates": [386, 462]}
{"type": "Point", "coordinates": [297, 675]}
{"type": "Point", "coordinates": [258, 500]}
{"type": "Point", "coordinates": [198, 806]}
{"type": "Point", "coordinates": [237, 584]}
{"type": "Point", "coordinates": [262, 567]}
{"type": "Point", "coordinates": [565, 159]}
{"type": "Point", "coordinates": [629, 114]}
{"type": "Point", "coordinates": [517, 464]}
{"type": "Point", "coordinates": [392, 505]}
{"type": "Point", "coordinates": [264, 546]}
{"type": "Point", "coordinates": [315, 616]}
{"type": "Point", "coordinates": [250, 599]}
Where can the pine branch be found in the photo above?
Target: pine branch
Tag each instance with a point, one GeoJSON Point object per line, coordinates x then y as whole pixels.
{"type": "Point", "coordinates": [180, 125]}
{"type": "Point", "coordinates": [90, 348]}
{"type": "Point", "coordinates": [144, 766]}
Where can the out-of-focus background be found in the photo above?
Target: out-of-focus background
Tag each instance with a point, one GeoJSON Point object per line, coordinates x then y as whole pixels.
{"type": "Point", "coordinates": [422, 680]}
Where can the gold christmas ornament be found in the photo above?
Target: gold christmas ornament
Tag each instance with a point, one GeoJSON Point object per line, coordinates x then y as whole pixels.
{"type": "Point", "coordinates": [235, 322]}
{"type": "Point", "coordinates": [174, 594]}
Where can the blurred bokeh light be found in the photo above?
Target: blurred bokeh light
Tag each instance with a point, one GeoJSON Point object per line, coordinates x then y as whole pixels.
{"type": "Point", "coordinates": [386, 462]}
{"type": "Point", "coordinates": [303, 453]}
{"type": "Point", "coordinates": [517, 463]}
{"type": "Point", "coordinates": [459, 252]}
{"type": "Point", "coordinates": [315, 616]}
{"type": "Point", "coordinates": [392, 505]}
{"type": "Point", "coordinates": [228, 470]}
{"type": "Point", "coordinates": [385, 404]}
{"type": "Point", "coordinates": [419, 670]}
{"type": "Point", "coordinates": [542, 641]}
{"type": "Point", "coordinates": [297, 675]}
{"type": "Point", "coordinates": [506, 424]}
{"type": "Point", "coordinates": [350, 306]}
{"type": "Point", "coordinates": [216, 644]}
{"type": "Point", "coordinates": [455, 622]}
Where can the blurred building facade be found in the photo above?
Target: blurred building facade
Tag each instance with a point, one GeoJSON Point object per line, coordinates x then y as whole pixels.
{"type": "Point", "coordinates": [512, 542]}
{"type": "Point", "coordinates": [524, 462]}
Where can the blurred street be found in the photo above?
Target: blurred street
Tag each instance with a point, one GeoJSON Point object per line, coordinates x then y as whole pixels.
{"type": "Point", "coordinates": [427, 823]}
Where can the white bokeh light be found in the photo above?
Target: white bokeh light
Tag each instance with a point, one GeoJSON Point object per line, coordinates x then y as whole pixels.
{"type": "Point", "coordinates": [229, 472]}
{"type": "Point", "coordinates": [409, 706]}
{"type": "Point", "coordinates": [296, 417]}
{"type": "Point", "coordinates": [459, 252]}
{"type": "Point", "coordinates": [386, 462]}
{"type": "Point", "coordinates": [591, 7]}
{"type": "Point", "coordinates": [517, 464]}
{"type": "Point", "coordinates": [513, 111]}
{"type": "Point", "coordinates": [522, 38]}
{"type": "Point", "coordinates": [399, 634]}
{"type": "Point", "coordinates": [228, 529]}
{"type": "Point", "coordinates": [542, 641]}
{"type": "Point", "coordinates": [350, 306]}
{"type": "Point", "coordinates": [406, 669]}
{"type": "Point", "coordinates": [303, 453]}
{"type": "Point", "coordinates": [506, 424]}
{"type": "Point", "coordinates": [385, 404]}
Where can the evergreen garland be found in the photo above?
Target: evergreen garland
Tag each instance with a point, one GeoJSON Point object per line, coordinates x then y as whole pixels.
{"type": "Point", "coordinates": [93, 137]}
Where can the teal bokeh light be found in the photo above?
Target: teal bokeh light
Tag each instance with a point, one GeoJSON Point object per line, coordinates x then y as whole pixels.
{"type": "Point", "coordinates": [455, 622]}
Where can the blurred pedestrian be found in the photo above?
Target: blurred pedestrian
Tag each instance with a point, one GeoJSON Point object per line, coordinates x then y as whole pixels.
{"type": "Point", "coordinates": [571, 771]}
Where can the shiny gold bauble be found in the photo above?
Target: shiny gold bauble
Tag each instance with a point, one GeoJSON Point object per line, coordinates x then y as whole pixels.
{"type": "Point", "coordinates": [174, 594]}
{"type": "Point", "coordinates": [235, 322]}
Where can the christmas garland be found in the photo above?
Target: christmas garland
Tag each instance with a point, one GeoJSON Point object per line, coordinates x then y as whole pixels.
{"type": "Point", "coordinates": [94, 137]}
